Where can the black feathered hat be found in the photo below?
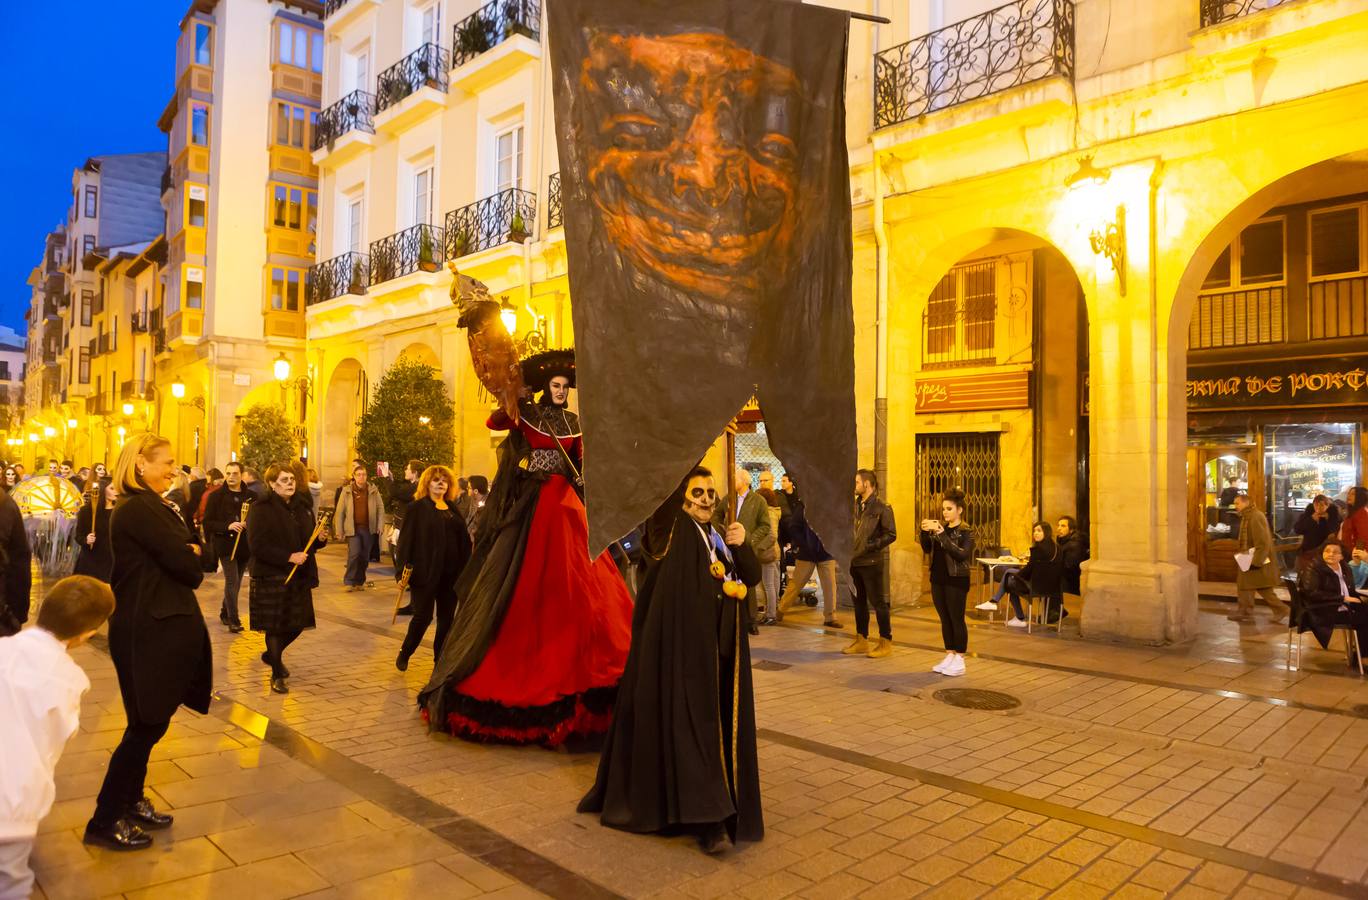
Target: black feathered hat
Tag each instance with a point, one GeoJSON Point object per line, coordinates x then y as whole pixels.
{"type": "Point", "coordinates": [539, 369]}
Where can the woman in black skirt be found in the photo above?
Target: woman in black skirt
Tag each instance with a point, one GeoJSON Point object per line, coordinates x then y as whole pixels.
{"type": "Point", "coordinates": [157, 637]}
{"type": "Point", "coordinates": [435, 542]}
{"type": "Point", "coordinates": [278, 530]}
{"type": "Point", "coordinates": [92, 533]}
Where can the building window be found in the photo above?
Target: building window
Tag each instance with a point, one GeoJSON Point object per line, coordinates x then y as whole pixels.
{"type": "Point", "coordinates": [293, 208]}
{"type": "Point", "coordinates": [87, 246]}
{"type": "Point", "coordinates": [1335, 242]}
{"type": "Point", "coordinates": [299, 46]}
{"type": "Point", "coordinates": [959, 323]}
{"type": "Point", "coordinates": [195, 202]}
{"type": "Point", "coordinates": [355, 229]}
{"type": "Point", "coordinates": [1243, 299]}
{"type": "Point", "coordinates": [293, 125]}
{"type": "Point", "coordinates": [199, 124]}
{"type": "Point", "coordinates": [4, 370]}
{"type": "Point", "coordinates": [87, 305]}
{"type": "Point", "coordinates": [361, 70]}
{"type": "Point", "coordinates": [194, 287]}
{"type": "Point", "coordinates": [83, 371]}
{"type": "Point", "coordinates": [287, 286]}
{"type": "Point", "coordinates": [508, 153]}
{"type": "Point", "coordinates": [422, 197]}
{"type": "Point", "coordinates": [204, 53]}
{"type": "Point", "coordinates": [91, 204]}
{"type": "Point", "coordinates": [431, 31]}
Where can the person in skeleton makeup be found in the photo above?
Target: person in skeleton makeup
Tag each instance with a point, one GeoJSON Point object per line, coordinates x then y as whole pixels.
{"type": "Point", "coordinates": [687, 689]}
{"type": "Point", "coordinates": [541, 631]}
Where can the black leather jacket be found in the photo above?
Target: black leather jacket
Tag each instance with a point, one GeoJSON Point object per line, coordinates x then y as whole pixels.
{"type": "Point", "coordinates": [956, 545]}
{"type": "Point", "coordinates": [874, 531]}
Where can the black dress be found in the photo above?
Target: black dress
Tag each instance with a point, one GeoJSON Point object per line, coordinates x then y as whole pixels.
{"type": "Point", "coordinates": [681, 751]}
{"type": "Point", "coordinates": [276, 529]}
{"type": "Point", "coordinates": [95, 560]}
{"type": "Point", "coordinates": [436, 544]}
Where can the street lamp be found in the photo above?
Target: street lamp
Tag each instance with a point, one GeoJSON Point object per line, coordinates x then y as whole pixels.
{"type": "Point", "coordinates": [72, 423]}
{"type": "Point", "coordinates": [508, 314]}
{"type": "Point", "coordinates": [128, 409]}
{"type": "Point", "coordinates": [49, 431]}
{"type": "Point", "coordinates": [281, 368]}
{"type": "Point", "coordinates": [178, 389]}
{"type": "Point", "coordinates": [1105, 236]}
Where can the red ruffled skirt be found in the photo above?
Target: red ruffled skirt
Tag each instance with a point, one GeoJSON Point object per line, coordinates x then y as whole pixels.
{"type": "Point", "coordinates": [553, 669]}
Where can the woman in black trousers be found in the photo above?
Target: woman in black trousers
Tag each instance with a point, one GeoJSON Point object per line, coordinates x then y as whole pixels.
{"type": "Point", "coordinates": [435, 542]}
{"type": "Point", "coordinates": [278, 529]}
{"type": "Point", "coordinates": [951, 546]}
{"type": "Point", "coordinates": [92, 533]}
{"type": "Point", "coordinates": [157, 637]}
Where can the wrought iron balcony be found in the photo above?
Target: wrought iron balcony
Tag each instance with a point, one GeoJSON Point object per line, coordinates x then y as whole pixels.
{"type": "Point", "coordinates": [1214, 12]}
{"type": "Point", "coordinates": [491, 25]}
{"type": "Point", "coordinates": [332, 6]}
{"type": "Point", "coordinates": [425, 67]}
{"type": "Point", "coordinates": [138, 322]}
{"type": "Point", "coordinates": [101, 404]}
{"type": "Point", "coordinates": [137, 390]}
{"type": "Point", "coordinates": [354, 112]}
{"type": "Point", "coordinates": [412, 249]}
{"type": "Point", "coordinates": [1012, 45]}
{"type": "Point", "coordinates": [158, 340]}
{"type": "Point", "coordinates": [506, 216]}
{"type": "Point", "coordinates": [345, 274]}
{"type": "Point", "coordinates": [555, 214]}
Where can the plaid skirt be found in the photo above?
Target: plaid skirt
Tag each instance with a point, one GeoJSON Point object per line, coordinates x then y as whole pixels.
{"type": "Point", "coordinates": [274, 605]}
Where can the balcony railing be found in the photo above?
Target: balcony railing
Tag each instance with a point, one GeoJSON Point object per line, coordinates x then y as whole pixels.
{"type": "Point", "coordinates": [506, 216]}
{"type": "Point", "coordinates": [101, 404]}
{"type": "Point", "coordinates": [345, 274]}
{"type": "Point", "coordinates": [354, 112]}
{"type": "Point", "coordinates": [491, 25]}
{"type": "Point", "coordinates": [425, 67]}
{"type": "Point", "coordinates": [1015, 44]}
{"type": "Point", "coordinates": [158, 340]}
{"type": "Point", "coordinates": [419, 247]}
{"type": "Point", "coordinates": [1214, 12]}
{"type": "Point", "coordinates": [106, 345]}
{"type": "Point", "coordinates": [136, 390]}
{"type": "Point", "coordinates": [1337, 308]}
{"type": "Point", "coordinates": [332, 6]}
{"type": "Point", "coordinates": [138, 322]}
{"type": "Point", "coordinates": [555, 213]}
{"type": "Point", "coordinates": [1239, 318]}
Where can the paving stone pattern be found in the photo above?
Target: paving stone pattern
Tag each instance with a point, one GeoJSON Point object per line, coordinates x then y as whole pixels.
{"type": "Point", "coordinates": [1125, 772]}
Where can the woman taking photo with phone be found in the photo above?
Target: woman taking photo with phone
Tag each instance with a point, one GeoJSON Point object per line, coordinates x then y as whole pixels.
{"type": "Point", "coordinates": [278, 530]}
{"type": "Point", "coordinates": [435, 543]}
{"type": "Point", "coordinates": [951, 545]}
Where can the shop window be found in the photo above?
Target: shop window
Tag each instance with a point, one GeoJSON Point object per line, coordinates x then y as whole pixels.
{"type": "Point", "coordinates": [969, 462]}
{"type": "Point", "coordinates": [199, 124]}
{"type": "Point", "coordinates": [1302, 461]}
{"type": "Point", "coordinates": [960, 319]}
{"type": "Point", "coordinates": [287, 286]}
{"type": "Point", "coordinates": [1335, 242]}
{"type": "Point", "coordinates": [204, 49]}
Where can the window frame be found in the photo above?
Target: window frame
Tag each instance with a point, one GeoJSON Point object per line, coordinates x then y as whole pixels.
{"type": "Point", "coordinates": [1235, 247]}
{"type": "Point", "coordinates": [1362, 207]}
{"type": "Point", "coordinates": [958, 352]}
{"type": "Point", "coordinates": [295, 115]}
{"type": "Point", "coordinates": [416, 217]}
{"type": "Point", "coordinates": [208, 43]}
{"type": "Point", "coordinates": [313, 48]}
{"type": "Point", "coordinates": [293, 283]}
{"type": "Point", "coordinates": [301, 206]}
{"type": "Point", "coordinates": [83, 364]}
{"type": "Point", "coordinates": [356, 223]}
{"type": "Point", "coordinates": [197, 106]}
{"type": "Point", "coordinates": [186, 281]}
{"type": "Point", "coordinates": [517, 157]}
{"type": "Point", "coordinates": [87, 307]}
{"type": "Point", "coordinates": [91, 207]}
{"type": "Point", "coordinates": [190, 190]}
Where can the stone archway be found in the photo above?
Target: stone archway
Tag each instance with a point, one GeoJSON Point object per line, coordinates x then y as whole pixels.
{"type": "Point", "coordinates": [418, 351]}
{"type": "Point", "coordinates": [341, 407]}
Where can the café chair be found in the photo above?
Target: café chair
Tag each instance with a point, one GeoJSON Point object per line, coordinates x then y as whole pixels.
{"type": "Point", "coordinates": [1295, 625]}
{"type": "Point", "coordinates": [1057, 624]}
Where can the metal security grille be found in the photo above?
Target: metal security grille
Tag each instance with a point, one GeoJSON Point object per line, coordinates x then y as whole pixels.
{"type": "Point", "coordinates": [753, 453]}
{"type": "Point", "coordinates": [957, 326]}
{"type": "Point", "coordinates": [968, 462]}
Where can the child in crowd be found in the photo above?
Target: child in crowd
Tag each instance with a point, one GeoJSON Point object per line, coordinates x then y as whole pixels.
{"type": "Point", "coordinates": [40, 706]}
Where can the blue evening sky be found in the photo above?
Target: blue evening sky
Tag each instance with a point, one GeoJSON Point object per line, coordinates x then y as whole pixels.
{"type": "Point", "coordinates": [81, 80]}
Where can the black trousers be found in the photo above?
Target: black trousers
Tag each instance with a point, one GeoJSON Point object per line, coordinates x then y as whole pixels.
{"type": "Point", "coordinates": [949, 600]}
{"type": "Point", "coordinates": [869, 591]}
{"type": "Point", "coordinates": [442, 601]}
{"type": "Point", "coordinates": [123, 781]}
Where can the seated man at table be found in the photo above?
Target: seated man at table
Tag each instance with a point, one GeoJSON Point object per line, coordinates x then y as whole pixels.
{"type": "Point", "coordinates": [1329, 599]}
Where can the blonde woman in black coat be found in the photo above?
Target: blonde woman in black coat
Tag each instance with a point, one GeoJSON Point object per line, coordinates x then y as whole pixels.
{"type": "Point", "coordinates": [278, 529]}
{"type": "Point", "coordinates": [435, 542]}
{"type": "Point", "coordinates": [157, 637]}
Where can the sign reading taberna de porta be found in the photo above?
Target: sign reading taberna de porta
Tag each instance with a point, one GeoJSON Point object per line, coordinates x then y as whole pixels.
{"type": "Point", "coordinates": [1324, 381]}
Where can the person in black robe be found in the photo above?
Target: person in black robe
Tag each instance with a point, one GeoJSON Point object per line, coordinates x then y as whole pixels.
{"type": "Point", "coordinates": [96, 558]}
{"type": "Point", "coordinates": [661, 769]}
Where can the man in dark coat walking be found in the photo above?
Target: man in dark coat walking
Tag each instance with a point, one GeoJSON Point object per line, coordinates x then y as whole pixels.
{"type": "Point", "coordinates": [686, 692]}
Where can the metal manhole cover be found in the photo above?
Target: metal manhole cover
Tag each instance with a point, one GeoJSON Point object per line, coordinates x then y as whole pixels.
{"type": "Point", "coordinates": [973, 698]}
{"type": "Point", "coordinates": [766, 665]}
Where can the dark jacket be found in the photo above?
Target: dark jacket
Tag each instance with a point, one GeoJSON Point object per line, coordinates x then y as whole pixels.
{"type": "Point", "coordinates": [95, 560]}
{"type": "Point", "coordinates": [400, 497]}
{"type": "Point", "coordinates": [1314, 532]}
{"type": "Point", "coordinates": [157, 637]}
{"type": "Point", "coordinates": [795, 531]}
{"type": "Point", "coordinates": [1044, 570]}
{"type": "Point", "coordinates": [276, 529]}
{"type": "Point", "coordinates": [955, 545]}
{"type": "Point", "coordinates": [1319, 586]}
{"type": "Point", "coordinates": [197, 489]}
{"type": "Point", "coordinates": [223, 508]}
{"type": "Point", "coordinates": [1073, 548]}
{"type": "Point", "coordinates": [18, 580]}
{"type": "Point", "coordinates": [436, 550]}
{"type": "Point", "coordinates": [874, 531]}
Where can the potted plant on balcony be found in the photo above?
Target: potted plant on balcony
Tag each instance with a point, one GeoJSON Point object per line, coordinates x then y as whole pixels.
{"type": "Point", "coordinates": [358, 279]}
{"type": "Point", "coordinates": [472, 39]}
{"type": "Point", "coordinates": [426, 259]}
{"type": "Point", "coordinates": [396, 91]}
{"type": "Point", "coordinates": [517, 228]}
{"type": "Point", "coordinates": [460, 244]}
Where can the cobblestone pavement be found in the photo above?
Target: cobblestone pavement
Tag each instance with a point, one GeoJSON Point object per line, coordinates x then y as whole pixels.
{"type": "Point", "coordinates": [1202, 771]}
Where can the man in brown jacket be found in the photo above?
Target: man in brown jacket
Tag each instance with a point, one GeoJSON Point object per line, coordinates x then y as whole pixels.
{"type": "Point", "coordinates": [1262, 576]}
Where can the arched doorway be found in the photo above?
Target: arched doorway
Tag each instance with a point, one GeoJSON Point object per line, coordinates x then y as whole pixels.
{"type": "Point", "coordinates": [343, 403]}
{"type": "Point", "coordinates": [1274, 307]}
{"type": "Point", "coordinates": [421, 353]}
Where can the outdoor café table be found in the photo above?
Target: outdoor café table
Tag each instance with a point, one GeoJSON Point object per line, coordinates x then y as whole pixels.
{"type": "Point", "coordinates": [992, 564]}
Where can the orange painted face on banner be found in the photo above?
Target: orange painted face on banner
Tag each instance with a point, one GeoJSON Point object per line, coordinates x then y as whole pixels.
{"type": "Point", "coordinates": [694, 166]}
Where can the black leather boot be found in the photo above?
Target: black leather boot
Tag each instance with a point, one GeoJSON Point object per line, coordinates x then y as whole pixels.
{"type": "Point", "coordinates": [145, 816]}
{"type": "Point", "coordinates": [121, 835]}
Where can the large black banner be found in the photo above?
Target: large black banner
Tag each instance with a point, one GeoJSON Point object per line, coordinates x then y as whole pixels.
{"type": "Point", "coordinates": [707, 222]}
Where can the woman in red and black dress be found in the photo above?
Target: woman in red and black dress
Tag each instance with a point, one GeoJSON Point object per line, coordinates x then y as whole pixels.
{"type": "Point", "coordinates": [541, 632]}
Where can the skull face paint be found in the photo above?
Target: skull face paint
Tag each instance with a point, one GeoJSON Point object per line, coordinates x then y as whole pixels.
{"type": "Point", "coordinates": [694, 165]}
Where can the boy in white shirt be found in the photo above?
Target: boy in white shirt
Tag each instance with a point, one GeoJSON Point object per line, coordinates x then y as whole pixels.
{"type": "Point", "coordinates": [40, 704]}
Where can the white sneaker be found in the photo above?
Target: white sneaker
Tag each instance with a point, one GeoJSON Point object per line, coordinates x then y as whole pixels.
{"type": "Point", "coordinates": [940, 667]}
{"type": "Point", "coordinates": [1014, 622]}
{"type": "Point", "coordinates": [988, 606]}
{"type": "Point", "coordinates": [954, 667]}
